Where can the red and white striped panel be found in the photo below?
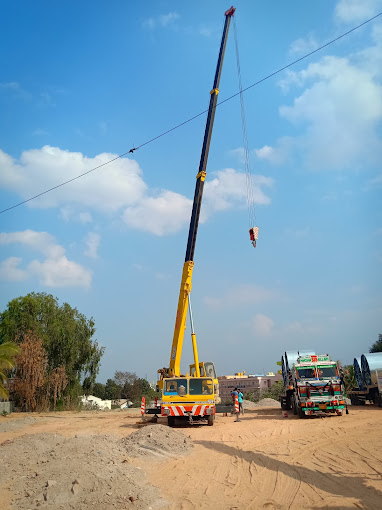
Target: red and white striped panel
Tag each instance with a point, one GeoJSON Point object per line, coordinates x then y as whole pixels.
{"type": "Point", "coordinates": [195, 410]}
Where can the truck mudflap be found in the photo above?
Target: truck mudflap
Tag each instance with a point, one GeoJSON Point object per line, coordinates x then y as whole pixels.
{"type": "Point", "coordinates": [187, 410]}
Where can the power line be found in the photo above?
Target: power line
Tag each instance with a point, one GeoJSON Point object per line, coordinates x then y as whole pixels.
{"type": "Point", "coordinates": [195, 116]}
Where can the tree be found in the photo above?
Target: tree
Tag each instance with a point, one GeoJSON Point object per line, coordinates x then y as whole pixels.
{"type": "Point", "coordinates": [274, 391]}
{"type": "Point", "coordinates": [377, 346]}
{"type": "Point", "coordinates": [349, 379]}
{"type": "Point", "coordinates": [30, 377]}
{"type": "Point", "coordinates": [65, 333]}
{"type": "Point", "coordinates": [8, 352]}
{"type": "Point", "coordinates": [99, 390]}
{"type": "Point", "coordinates": [140, 388]}
{"type": "Point", "coordinates": [112, 390]}
{"type": "Point", "coordinates": [122, 378]}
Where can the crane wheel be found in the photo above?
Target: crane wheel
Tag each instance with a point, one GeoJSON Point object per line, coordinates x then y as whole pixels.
{"type": "Point", "coordinates": [211, 420]}
{"type": "Point", "coordinates": [171, 421]}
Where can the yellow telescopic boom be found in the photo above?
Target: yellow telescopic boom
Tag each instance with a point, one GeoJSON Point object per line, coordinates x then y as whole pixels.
{"type": "Point", "coordinates": [186, 283]}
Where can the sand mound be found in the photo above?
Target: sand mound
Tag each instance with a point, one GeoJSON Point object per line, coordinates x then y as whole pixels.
{"type": "Point", "coordinates": [7, 425]}
{"type": "Point", "coordinates": [248, 404]}
{"type": "Point", "coordinates": [268, 402]}
{"type": "Point", "coordinates": [157, 441]}
{"type": "Point", "coordinates": [85, 473]}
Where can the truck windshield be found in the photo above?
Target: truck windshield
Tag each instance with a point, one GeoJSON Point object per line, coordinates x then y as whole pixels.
{"type": "Point", "coordinates": [201, 387]}
{"type": "Point", "coordinates": [175, 387]}
{"type": "Point", "coordinates": [325, 372]}
{"type": "Point", "coordinates": [306, 373]}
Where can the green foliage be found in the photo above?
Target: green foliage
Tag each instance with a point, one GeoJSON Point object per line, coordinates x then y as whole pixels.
{"type": "Point", "coordinates": [112, 390]}
{"type": "Point", "coordinates": [99, 390]}
{"type": "Point", "coordinates": [8, 352]}
{"type": "Point", "coordinates": [274, 391]}
{"type": "Point", "coordinates": [349, 377]}
{"type": "Point", "coordinates": [140, 388]}
{"type": "Point", "coordinates": [125, 385]}
{"type": "Point", "coordinates": [66, 335]}
{"type": "Point", "coordinates": [377, 346]}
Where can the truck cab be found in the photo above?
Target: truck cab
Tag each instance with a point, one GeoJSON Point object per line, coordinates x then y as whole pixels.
{"type": "Point", "coordinates": [188, 397]}
{"type": "Point", "coordinates": [317, 386]}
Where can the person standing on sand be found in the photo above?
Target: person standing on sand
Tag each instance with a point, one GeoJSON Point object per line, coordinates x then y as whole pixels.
{"type": "Point", "coordinates": [240, 397]}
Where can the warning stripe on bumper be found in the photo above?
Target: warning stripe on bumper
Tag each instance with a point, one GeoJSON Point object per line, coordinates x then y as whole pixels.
{"type": "Point", "coordinates": [195, 410]}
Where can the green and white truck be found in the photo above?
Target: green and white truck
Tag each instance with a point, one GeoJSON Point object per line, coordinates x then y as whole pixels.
{"type": "Point", "coordinates": [312, 385]}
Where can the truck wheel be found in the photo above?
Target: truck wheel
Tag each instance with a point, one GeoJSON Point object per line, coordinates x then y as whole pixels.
{"type": "Point", "coordinates": [171, 421]}
{"type": "Point", "coordinates": [211, 419]}
{"type": "Point", "coordinates": [301, 413]}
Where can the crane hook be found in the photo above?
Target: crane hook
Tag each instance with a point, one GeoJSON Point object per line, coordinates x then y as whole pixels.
{"type": "Point", "coordinates": [254, 234]}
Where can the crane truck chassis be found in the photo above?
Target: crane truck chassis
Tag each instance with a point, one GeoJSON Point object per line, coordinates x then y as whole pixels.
{"type": "Point", "coordinates": [312, 386]}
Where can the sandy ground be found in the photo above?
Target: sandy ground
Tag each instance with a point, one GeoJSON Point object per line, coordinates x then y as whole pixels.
{"type": "Point", "coordinates": [264, 461]}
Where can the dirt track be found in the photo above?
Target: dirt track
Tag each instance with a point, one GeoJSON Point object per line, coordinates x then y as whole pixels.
{"type": "Point", "coordinates": [264, 461]}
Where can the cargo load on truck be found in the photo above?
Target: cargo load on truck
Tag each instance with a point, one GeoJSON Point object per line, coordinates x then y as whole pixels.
{"type": "Point", "coordinates": [312, 384]}
{"type": "Point", "coordinates": [368, 374]}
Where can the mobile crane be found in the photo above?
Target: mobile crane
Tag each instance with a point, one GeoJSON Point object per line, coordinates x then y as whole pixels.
{"type": "Point", "coordinates": [193, 396]}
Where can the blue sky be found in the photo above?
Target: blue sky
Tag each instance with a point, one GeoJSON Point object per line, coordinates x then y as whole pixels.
{"type": "Point", "coordinates": [84, 82]}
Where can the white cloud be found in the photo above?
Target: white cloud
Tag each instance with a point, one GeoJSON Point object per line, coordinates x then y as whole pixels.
{"type": "Point", "coordinates": [165, 214]}
{"type": "Point", "coordinates": [85, 217]}
{"type": "Point", "coordinates": [164, 20]}
{"type": "Point", "coordinates": [339, 110]}
{"type": "Point", "coordinates": [9, 270]}
{"type": "Point", "coordinates": [92, 242]}
{"type": "Point", "coordinates": [54, 271]}
{"type": "Point", "coordinates": [229, 189]}
{"type": "Point", "coordinates": [107, 189]}
{"type": "Point", "coordinates": [348, 11]}
{"type": "Point", "coordinates": [265, 152]}
{"type": "Point", "coordinates": [241, 295]}
{"type": "Point", "coordinates": [303, 46]}
{"type": "Point", "coordinates": [69, 213]}
{"type": "Point", "coordinates": [263, 325]}
{"type": "Point", "coordinates": [118, 189]}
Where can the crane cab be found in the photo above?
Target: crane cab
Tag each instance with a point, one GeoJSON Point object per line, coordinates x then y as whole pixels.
{"type": "Point", "coordinates": [188, 398]}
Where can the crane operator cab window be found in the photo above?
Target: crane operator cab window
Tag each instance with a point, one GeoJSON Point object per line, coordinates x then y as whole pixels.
{"type": "Point", "coordinates": [306, 373]}
{"type": "Point", "coordinates": [201, 387]}
{"type": "Point", "coordinates": [175, 387]}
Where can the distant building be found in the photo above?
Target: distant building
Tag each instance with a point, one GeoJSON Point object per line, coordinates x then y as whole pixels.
{"type": "Point", "coordinates": [247, 383]}
{"type": "Point", "coordinates": [96, 402]}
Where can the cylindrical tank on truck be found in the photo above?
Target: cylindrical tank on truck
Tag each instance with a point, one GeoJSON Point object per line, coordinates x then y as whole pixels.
{"type": "Point", "coordinates": [368, 374]}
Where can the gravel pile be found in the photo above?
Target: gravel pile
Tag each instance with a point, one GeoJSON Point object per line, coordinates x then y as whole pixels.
{"type": "Point", "coordinates": [268, 402]}
{"type": "Point", "coordinates": [7, 425]}
{"type": "Point", "coordinates": [248, 404]}
{"type": "Point", "coordinates": [157, 441]}
{"type": "Point", "coordinates": [80, 473]}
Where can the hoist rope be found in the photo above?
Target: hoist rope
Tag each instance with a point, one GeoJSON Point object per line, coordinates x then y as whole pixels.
{"type": "Point", "coordinates": [247, 162]}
